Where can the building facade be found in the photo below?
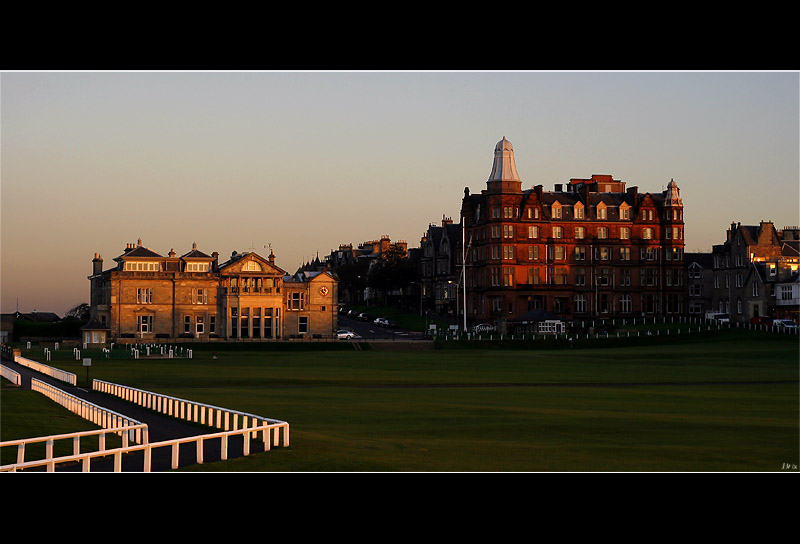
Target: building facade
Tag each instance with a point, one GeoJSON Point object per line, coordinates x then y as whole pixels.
{"type": "Point", "coordinates": [440, 267]}
{"type": "Point", "coordinates": [699, 283]}
{"type": "Point", "coordinates": [590, 248]}
{"type": "Point", "coordinates": [755, 272]}
{"type": "Point", "coordinates": [149, 296]}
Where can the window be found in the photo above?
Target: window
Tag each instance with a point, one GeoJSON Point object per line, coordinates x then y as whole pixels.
{"type": "Point", "coordinates": [624, 254]}
{"type": "Point", "coordinates": [624, 212]}
{"type": "Point", "coordinates": [604, 253]}
{"type": "Point", "coordinates": [533, 231]}
{"type": "Point", "coordinates": [533, 276]}
{"type": "Point", "coordinates": [580, 303]}
{"type": "Point", "coordinates": [602, 232]}
{"type": "Point", "coordinates": [625, 278]}
{"type": "Point", "coordinates": [557, 232]}
{"type": "Point", "coordinates": [580, 233]}
{"type": "Point", "coordinates": [187, 324]}
{"type": "Point", "coordinates": [199, 296]}
{"type": "Point", "coordinates": [508, 212]}
{"type": "Point", "coordinates": [234, 322]}
{"type": "Point", "coordinates": [580, 276]}
{"type": "Point", "coordinates": [533, 213]}
{"type": "Point", "coordinates": [578, 212]}
{"type": "Point", "coordinates": [212, 324]}
{"type": "Point", "coordinates": [495, 231]}
{"type": "Point", "coordinates": [196, 267]}
{"type": "Point", "coordinates": [302, 325]}
{"type": "Point", "coordinates": [625, 233]}
{"type": "Point", "coordinates": [508, 252]}
{"type": "Point", "coordinates": [244, 323]}
{"type": "Point", "coordinates": [144, 323]}
{"type": "Point", "coordinates": [625, 304]}
{"type": "Point", "coordinates": [508, 276]}
{"type": "Point", "coordinates": [495, 276]}
{"type": "Point", "coordinates": [256, 322]}
{"type": "Point", "coordinates": [559, 253]}
{"type": "Point", "coordinates": [297, 301]}
{"type": "Point", "coordinates": [786, 292]}
{"type": "Point", "coordinates": [601, 211]}
{"type": "Point", "coordinates": [580, 253]}
{"type": "Point", "coordinates": [508, 231]}
{"type": "Point", "coordinates": [556, 211]}
{"type": "Point", "coordinates": [647, 233]}
{"type": "Point", "coordinates": [495, 212]}
{"type": "Point", "coordinates": [560, 275]}
{"type": "Point", "coordinates": [533, 253]}
{"type": "Point", "coordinates": [200, 325]}
{"type": "Point", "coordinates": [144, 295]}
{"type": "Point", "coordinates": [136, 266]}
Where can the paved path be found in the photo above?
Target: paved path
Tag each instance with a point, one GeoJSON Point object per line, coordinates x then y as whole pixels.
{"type": "Point", "coordinates": [160, 427]}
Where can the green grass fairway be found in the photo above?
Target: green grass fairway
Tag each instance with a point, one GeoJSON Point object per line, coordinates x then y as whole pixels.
{"type": "Point", "coordinates": [707, 405]}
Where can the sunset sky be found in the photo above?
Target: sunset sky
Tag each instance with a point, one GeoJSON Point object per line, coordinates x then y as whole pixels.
{"type": "Point", "coordinates": [304, 161]}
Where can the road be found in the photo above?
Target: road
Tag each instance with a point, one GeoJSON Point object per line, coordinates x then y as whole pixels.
{"type": "Point", "coordinates": [370, 331]}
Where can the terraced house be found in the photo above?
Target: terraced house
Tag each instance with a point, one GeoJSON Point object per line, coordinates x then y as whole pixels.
{"type": "Point", "coordinates": [589, 248]}
{"type": "Point", "coordinates": [148, 296]}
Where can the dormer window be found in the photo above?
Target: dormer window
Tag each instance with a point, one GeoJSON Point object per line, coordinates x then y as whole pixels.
{"type": "Point", "coordinates": [624, 211]}
{"type": "Point", "coordinates": [578, 211]}
{"type": "Point", "coordinates": [196, 267]}
{"type": "Point", "coordinates": [601, 211]}
{"type": "Point", "coordinates": [556, 209]}
{"type": "Point", "coordinates": [139, 266]}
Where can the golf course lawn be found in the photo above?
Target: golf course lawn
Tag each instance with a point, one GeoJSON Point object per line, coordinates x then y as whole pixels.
{"type": "Point", "coordinates": [725, 403]}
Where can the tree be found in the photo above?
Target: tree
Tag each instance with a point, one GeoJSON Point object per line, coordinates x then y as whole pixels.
{"type": "Point", "coordinates": [81, 311]}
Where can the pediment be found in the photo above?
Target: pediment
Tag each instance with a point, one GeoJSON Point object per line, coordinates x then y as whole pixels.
{"type": "Point", "coordinates": [251, 263]}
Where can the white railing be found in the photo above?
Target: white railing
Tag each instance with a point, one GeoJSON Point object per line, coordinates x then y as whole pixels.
{"type": "Point", "coordinates": [56, 373]}
{"type": "Point", "coordinates": [86, 458]}
{"type": "Point", "coordinates": [102, 417]}
{"type": "Point", "coordinates": [196, 412]}
{"type": "Point", "coordinates": [50, 462]}
{"type": "Point", "coordinates": [11, 375]}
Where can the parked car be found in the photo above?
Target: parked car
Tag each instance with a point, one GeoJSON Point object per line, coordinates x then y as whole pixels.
{"type": "Point", "coordinates": [722, 318]}
{"type": "Point", "coordinates": [346, 335]}
{"type": "Point", "coordinates": [390, 323]}
{"type": "Point", "coordinates": [763, 320]}
{"type": "Point", "coordinates": [381, 321]}
{"type": "Point", "coordinates": [363, 317]}
{"type": "Point", "coordinates": [784, 323]}
{"type": "Point", "coordinates": [484, 327]}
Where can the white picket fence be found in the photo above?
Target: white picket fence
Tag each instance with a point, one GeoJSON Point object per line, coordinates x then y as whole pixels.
{"type": "Point", "coordinates": [273, 432]}
{"type": "Point", "coordinates": [11, 375]}
{"type": "Point", "coordinates": [196, 412]}
{"type": "Point", "coordinates": [56, 373]}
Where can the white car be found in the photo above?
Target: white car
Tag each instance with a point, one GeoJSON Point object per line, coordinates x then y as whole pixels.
{"type": "Point", "coordinates": [346, 335]}
{"type": "Point", "coordinates": [784, 323]}
{"type": "Point", "coordinates": [382, 321]}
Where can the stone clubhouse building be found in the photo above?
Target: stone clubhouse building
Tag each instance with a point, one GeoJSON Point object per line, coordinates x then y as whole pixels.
{"type": "Point", "coordinates": [151, 297]}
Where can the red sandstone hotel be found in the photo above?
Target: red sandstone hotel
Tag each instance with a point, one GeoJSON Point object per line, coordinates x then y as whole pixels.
{"type": "Point", "coordinates": [587, 250]}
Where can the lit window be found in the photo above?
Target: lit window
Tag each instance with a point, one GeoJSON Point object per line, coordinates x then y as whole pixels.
{"type": "Point", "coordinates": [557, 232]}
{"type": "Point", "coordinates": [624, 233]}
{"type": "Point", "coordinates": [144, 295]}
{"type": "Point", "coordinates": [580, 233]}
{"type": "Point", "coordinates": [602, 232]}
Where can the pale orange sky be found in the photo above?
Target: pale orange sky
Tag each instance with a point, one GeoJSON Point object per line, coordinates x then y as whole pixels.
{"type": "Point", "coordinates": [305, 161]}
